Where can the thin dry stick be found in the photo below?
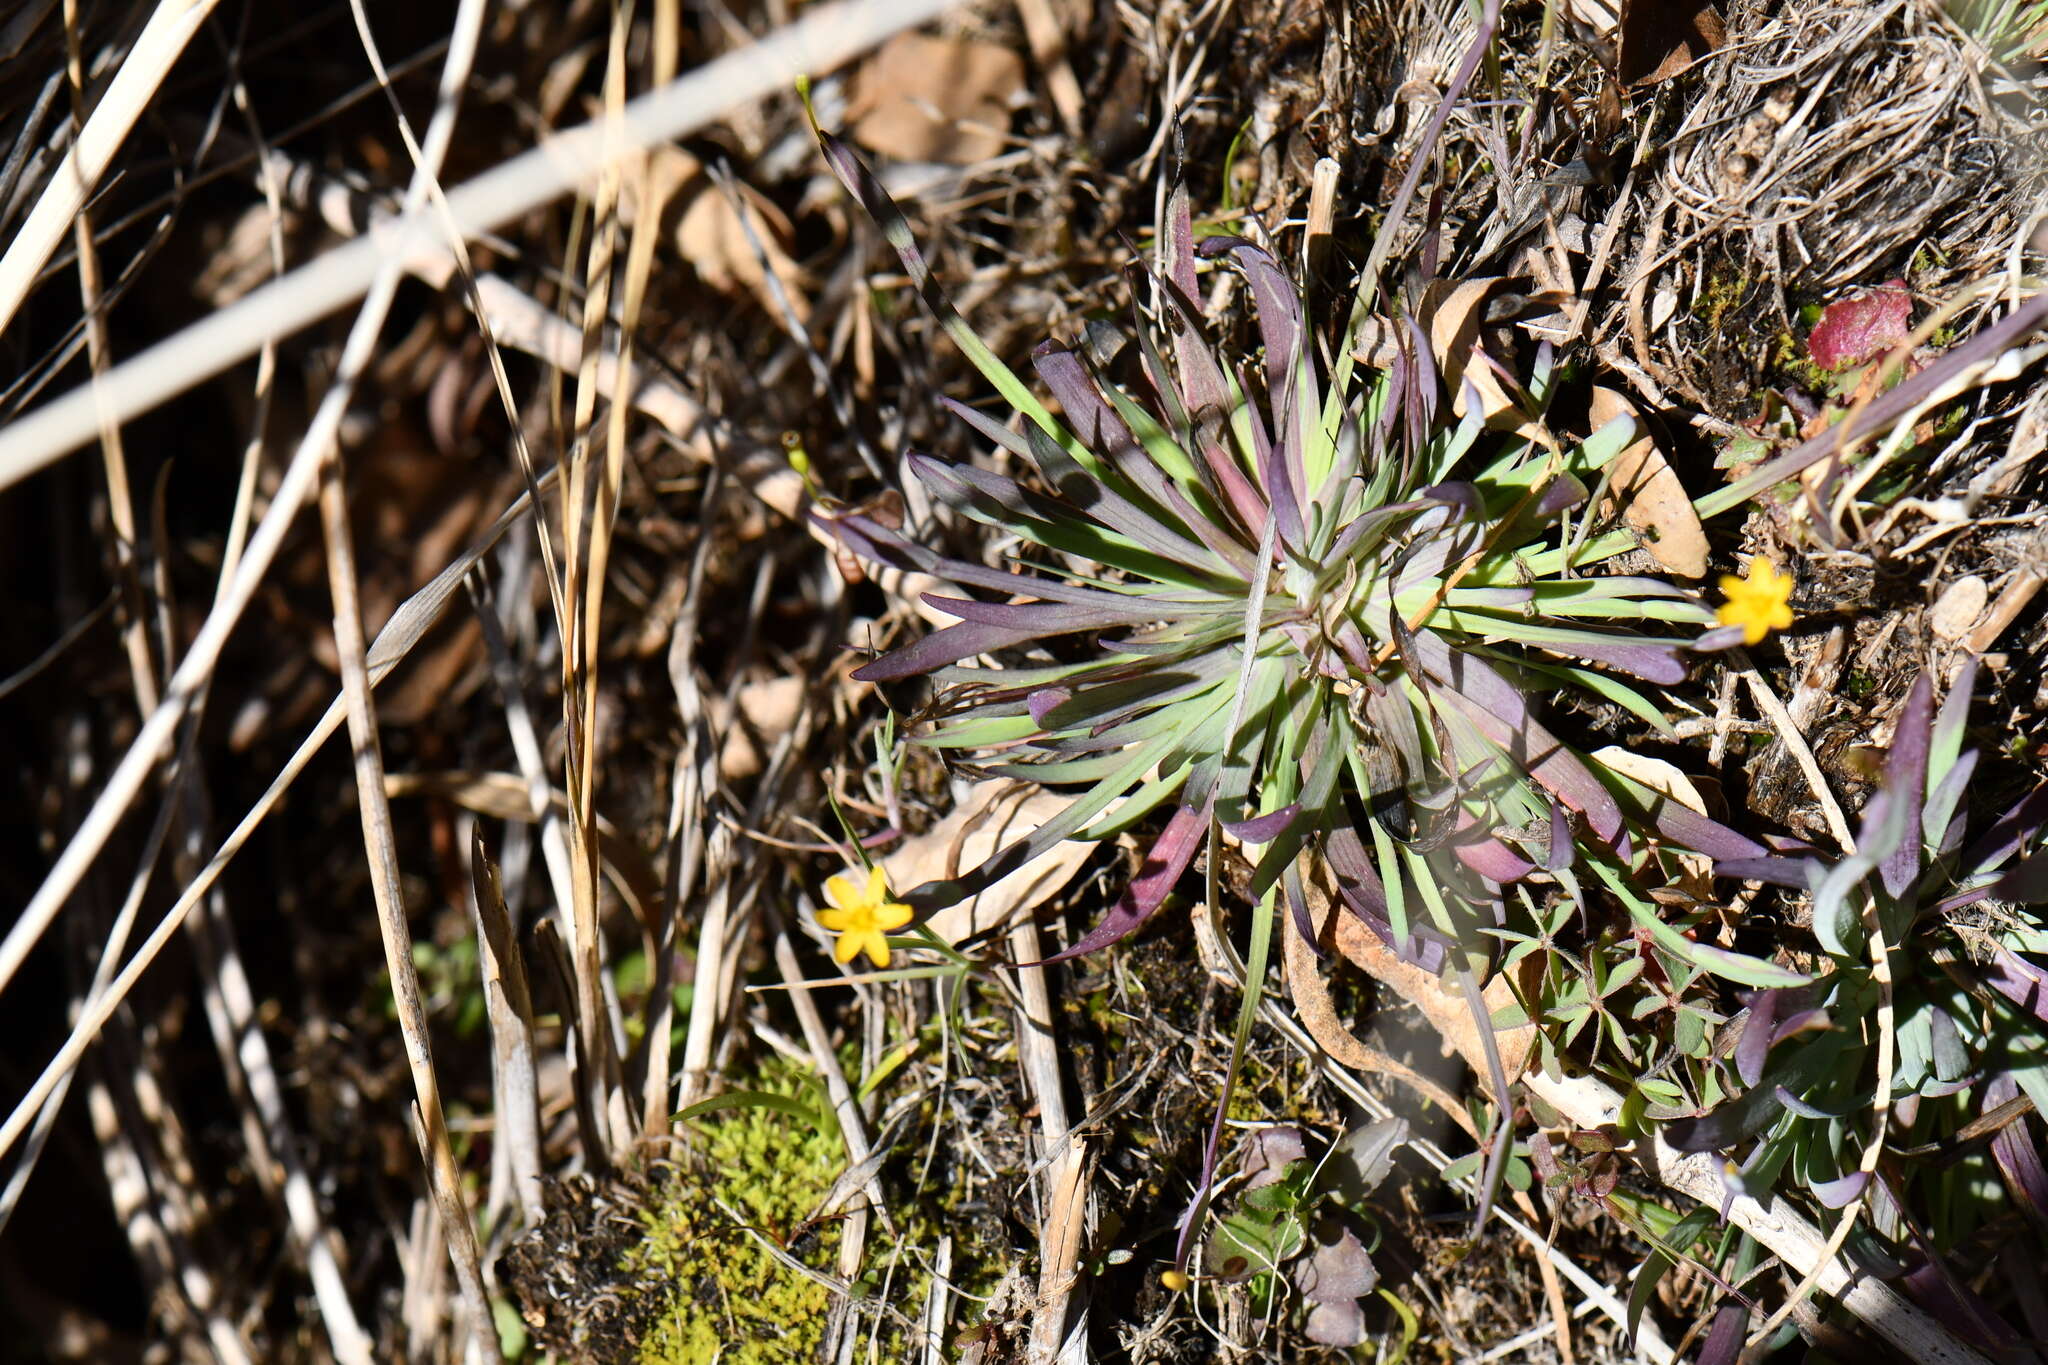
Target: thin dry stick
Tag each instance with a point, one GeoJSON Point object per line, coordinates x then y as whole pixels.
{"type": "Point", "coordinates": [508, 1003]}
{"type": "Point", "coordinates": [407, 626]}
{"type": "Point", "coordinates": [380, 841]}
{"type": "Point", "coordinates": [1058, 1324]}
{"type": "Point", "coordinates": [589, 503]}
{"type": "Point", "coordinates": [822, 39]}
{"type": "Point", "coordinates": [113, 460]}
{"type": "Point", "coordinates": [232, 334]}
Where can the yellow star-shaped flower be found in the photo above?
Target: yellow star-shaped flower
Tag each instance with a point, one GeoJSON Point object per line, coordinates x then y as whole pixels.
{"type": "Point", "coordinates": [1759, 601]}
{"type": "Point", "coordinates": [861, 916]}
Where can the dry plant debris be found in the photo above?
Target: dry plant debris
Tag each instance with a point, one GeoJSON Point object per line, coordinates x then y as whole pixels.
{"type": "Point", "coordinates": [622, 751]}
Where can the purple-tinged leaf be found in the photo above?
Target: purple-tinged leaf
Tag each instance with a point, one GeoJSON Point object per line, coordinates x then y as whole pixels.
{"type": "Point", "coordinates": [1279, 310]}
{"type": "Point", "coordinates": [1264, 829]}
{"type": "Point", "coordinates": [1097, 424]}
{"type": "Point", "coordinates": [2010, 831]}
{"type": "Point", "coordinates": [1697, 833]}
{"type": "Point", "coordinates": [2018, 1155]}
{"type": "Point", "coordinates": [1043, 618]}
{"type": "Point", "coordinates": [1338, 1268]}
{"type": "Point", "coordinates": [1790, 872]}
{"type": "Point", "coordinates": [1946, 743]}
{"type": "Point", "coordinates": [1942, 822]}
{"type": "Point", "coordinates": [1304, 923]}
{"type": "Point", "coordinates": [942, 647]}
{"type": "Point", "coordinates": [1836, 1194]}
{"type": "Point", "coordinates": [1811, 1020]}
{"type": "Point", "coordinates": [1653, 661]}
{"type": "Point", "coordinates": [1758, 1025]}
{"type": "Point", "coordinates": [1268, 1153]}
{"type": "Point", "coordinates": [1563, 848]}
{"type": "Point", "coordinates": [2027, 883]}
{"type": "Point", "coordinates": [994, 431]}
{"type": "Point", "coordinates": [1162, 868]}
{"type": "Point", "coordinates": [1360, 889]}
{"type": "Point", "coordinates": [1044, 700]}
{"type": "Point", "coordinates": [1804, 1110]}
{"type": "Point", "coordinates": [1277, 485]}
{"type": "Point", "coordinates": [1723, 1345]}
{"type": "Point", "coordinates": [2019, 981]}
{"type": "Point", "coordinates": [1341, 1325]}
{"type": "Point", "coordinates": [1717, 639]}
{"type": "Point", "coordinates": [1905, 774]}
{"type": "Point", "coordinates": [1938, 1290]}
{"type": "Point", "coordinates": [1498, 710]}
{"type": "Point", "coordinates": [1485, 854]}
{"type": "Point", "coordinates": [1177, 243]}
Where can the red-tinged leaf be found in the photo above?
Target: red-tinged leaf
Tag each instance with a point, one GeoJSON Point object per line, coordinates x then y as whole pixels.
{"type": "Point", "coordinates": [2018, 1155]}
{"type": "Point", "coordinates": [1264, 829]}
{"type": "Point", "coordinates": [1861, 327]}
{"type": "Point", "coordinates": [2019, 981]}
{"type": "Point", "coordinates": [1163, 867]}
{"type": "Point", "coordinates": [1486, 855]}
{"type": "Point", "coordinates": [1043, 618]}
{"type": "Point", "coordinates": [1776, 871]}
{"type": "Point", "coordinates": [1699, 833]}
{"type": "Point", "coordinates": [1723, 1345]}
{"type": "Point", "coordinates": [942, 647]}
{"type": "Point", "coordinates": [1905, 774]}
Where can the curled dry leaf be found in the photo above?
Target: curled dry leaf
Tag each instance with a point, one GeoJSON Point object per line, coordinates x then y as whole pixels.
{"type": "Point", "coordinates": [1456, 315]}
{"type": "Point", "coordinates": [1668, 781]}
{"type": "Point", "coordinates": [1861, 327]}
{"type": "Point", "coordinates": [1442, 1005]}
{"type": "Point", "coordinates": [1660, 38]}
{"type": "Point", "coordinates": [1651, 498]}
{"type": "Point", "coordinates": [924, 98]}
{"type": "Point", "coordinates": [990, 816]}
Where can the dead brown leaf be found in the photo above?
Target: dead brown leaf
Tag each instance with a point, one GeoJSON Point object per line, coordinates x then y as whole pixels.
{"type": "Point", "coordinates": [712, 236]}
{"type": "Point", "coordinates": [1661, 38]}
{"type": "Point", "coordinates": [991, 816]}
{"type": "Point", "coordinates": [1456, 315]}
{"type": "Point", "coordinates": [1651, 498]}
{"type": "Point", "coordinates": [924, 98]}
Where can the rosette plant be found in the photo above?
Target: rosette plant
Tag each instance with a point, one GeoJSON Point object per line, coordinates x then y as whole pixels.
{"type": "Point", "coordinates": [1303, 604]}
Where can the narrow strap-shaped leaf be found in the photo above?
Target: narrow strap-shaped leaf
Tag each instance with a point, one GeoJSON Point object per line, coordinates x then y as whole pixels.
{"type": "Point", "coordinates": [861, 183]}
{"type": "Point", "coordinates": [1162, 868]}
{"type": "Point", "coordinates": [942, 892]}
{"type": "Point", "coordinates": [1905, 775]}
{"type": "Point", "coordinates": [1499, 711]}
{"type": "Point", "coordinates": [1044, 618]}
{"type": "Point", "coordinates": [947, 646]}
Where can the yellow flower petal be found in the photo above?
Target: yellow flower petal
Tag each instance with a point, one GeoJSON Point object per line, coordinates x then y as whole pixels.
{"type": "Point", "coordinates": [893, 915]}
{"type": "Point", "coordinates": [878, 886]}
{"type": "Point", "coordinates": [838, 921]}
{"type": "Point", "coordinates": [848, 947]}
{"type": "Point", "coordinates": [841, 892]}
{"type": "Point", "coordinates": [878, 950]}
